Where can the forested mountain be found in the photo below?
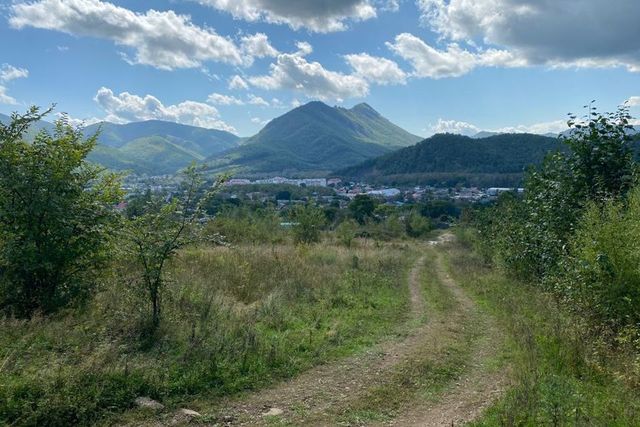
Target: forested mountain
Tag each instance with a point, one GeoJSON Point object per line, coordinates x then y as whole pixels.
{"type": "Point", "coordinates": [153, 147]}
{"type": "Point", "coordinates": [448, 158]}
{"type": "Point", "coordinates": [156, 147]}
{"type": "Point", "coordinates": [316, 138]}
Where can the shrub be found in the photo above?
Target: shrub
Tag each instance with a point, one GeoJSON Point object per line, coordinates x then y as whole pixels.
{"type": "Point", "coordinates": [55, 216]}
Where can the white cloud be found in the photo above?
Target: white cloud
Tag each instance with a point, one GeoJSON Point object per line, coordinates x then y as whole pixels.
{"type": "Point", "coordinates": [6, 99]}
{"type": "Point", "coordinates": [304, 48]}
{"type": "Point", "coordinates": [256, 100]}
{"type": "Point", "coordinates": [294, 72]}
{"type": "Point", "coordinates": [220, 99]}
{"type": "Point", "coordinates": [455, 61]}
{"type": "Point", "coordinates": [576, 33]}
{"type": "Point", "coordinates": [237, 82]}
{"type": "Point", "coordinates": [556, 126]}
{"type": "Point", "coordinates": [469, 129]}
{"type": "Point", "coordinates": [318, 16]}
{"type": "Point", "coordinates": [79, 122]}
{"type": "Point", "coordinates": [9, 72]}
{"type": "Point", "coordinates": [375, 69]}
{"type": "Point", "coordinates": [259, 121]}
{"type": "Point", "coordinates": [126, 107]}
{"type": "Point", "coordinates": [633, 101]}
{"type": "Point", "coordinates": [164, 40]}
{"type": "Point", "coordinates": [454, 126]}
{"type": "Point", "coordinates": [257, 46]}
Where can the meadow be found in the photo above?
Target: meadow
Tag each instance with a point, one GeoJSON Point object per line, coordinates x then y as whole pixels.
{"type": "Point", "coordinates": [234, 318]}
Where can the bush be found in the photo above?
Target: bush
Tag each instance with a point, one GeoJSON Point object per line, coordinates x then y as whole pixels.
{"type": "Point", "coordinates": [55, 216]}
{"type": "Point", "coordinates": [309, 221]}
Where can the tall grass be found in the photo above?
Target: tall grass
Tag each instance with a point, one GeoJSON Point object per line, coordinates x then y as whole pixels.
{"type": "Point", "coordinates": [234, 319]}
{"type": "Point", "coordinates": [561, 375]}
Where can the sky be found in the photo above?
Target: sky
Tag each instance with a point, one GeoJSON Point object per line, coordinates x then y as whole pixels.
{"type": "Point", "coordinates": [427, 65]}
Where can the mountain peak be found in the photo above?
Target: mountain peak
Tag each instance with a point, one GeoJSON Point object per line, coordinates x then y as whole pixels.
{"type": "Point", "coordinates": [365, 108]}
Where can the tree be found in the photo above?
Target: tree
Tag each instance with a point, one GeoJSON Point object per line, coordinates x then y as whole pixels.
{"type": "Point", "coordinates": [162, 229]}
{"type": "Point", "coordinates": [56, 213]}
{"type": "Point", "coordinates": [346, 232]}
{"type": "Point", "coordinates": [362, 207]}
{"type": "Point", "coordinates": [309, 221]}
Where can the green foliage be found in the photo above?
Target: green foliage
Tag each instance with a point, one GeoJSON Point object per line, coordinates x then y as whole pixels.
{"type": "Point", "coordinates": [246, 225]}
{"type": "Point", "coordinates": [362, 208]}
{"type": "Point", "coordinates": [233, 320]}
{"type": "Point", "coordinates": [558, 373]}
{"type": "Point", "coordinates": [309, 220]}
{"type": "Point", "coordinates": [416, 225]}
{"type": "Point", "coordinates": [162, 229]}
{"type": "Point", "coordinates": [55, 216]}
{"type": "Point", "coordinates": [564, 231]}
{"type": "Point", "coordinates": [601, 274]}
{"type": "Point", "coordinates": [346, 231]}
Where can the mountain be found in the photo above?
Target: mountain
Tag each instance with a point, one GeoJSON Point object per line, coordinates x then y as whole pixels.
{"type": "Point", "coordinates": [450, 159]}
{"type": "Point", "coordinates": [156, 147]}
{"type": "Point", "coordinates": [153, 147]}
{"type": "Point", "coordinates": [315, 138]}
{"type": "Point", "coordinates": [34, 129]}
{"type": "Point", "coordinates": [484, 134]}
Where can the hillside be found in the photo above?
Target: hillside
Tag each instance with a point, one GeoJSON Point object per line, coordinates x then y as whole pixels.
{"type": "Point", "coordinates": [448, 158]}
{"type": "Point", "coordinates": [317, 138]}
{"type": "Point", "coordinates": [156, 147]}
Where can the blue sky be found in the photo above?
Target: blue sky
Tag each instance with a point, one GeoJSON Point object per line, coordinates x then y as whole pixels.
{"type": "Point", "coordinates": [427, 65]}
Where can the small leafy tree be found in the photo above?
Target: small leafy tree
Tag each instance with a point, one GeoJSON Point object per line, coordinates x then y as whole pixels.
{"type": "Point", "coordinates": [162, 229]}
{"type": "Point", "coordinates": [362, 207]}
{"type": "Point", "coordinates": [346, 232]}
{"type": "Point", "coordinates": [55, 215]}
{"type": "Point", "coordinates": [309, 221]}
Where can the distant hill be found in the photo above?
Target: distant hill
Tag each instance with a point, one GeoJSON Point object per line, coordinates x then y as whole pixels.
{"type": "Point", "coordinates": [451, 159]}
{"type": "Point", "coordinates": [316, 138]}
{"type": "Point", "coordinates": [156, 147]}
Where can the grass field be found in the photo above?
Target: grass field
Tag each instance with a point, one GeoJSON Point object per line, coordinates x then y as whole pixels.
{"type": "Point", "coordinates": [559, 375]}
{"type": "Point", "coordinates": [234, 319]}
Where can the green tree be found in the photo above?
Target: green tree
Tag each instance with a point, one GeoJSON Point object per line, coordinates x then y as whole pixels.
{"type": "Point", "coordinates": [162, 229]}
{"type": "Point", "coordinates": [309, 221]}
{"type": "Point", "coordinates": [56, 213]}
{"type": "Point", "coordinates": [346, 232]}
{"type": "Point", "coordinates": [362, 207]}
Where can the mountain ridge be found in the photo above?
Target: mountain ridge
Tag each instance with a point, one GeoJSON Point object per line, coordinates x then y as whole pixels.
{"type": "Point", "coordinates": [316, 137]}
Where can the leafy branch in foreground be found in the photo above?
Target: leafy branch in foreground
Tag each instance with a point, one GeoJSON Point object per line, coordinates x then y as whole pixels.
{"type": "Point", "coordinates": [56, 214]}
{"type": "Point", "coordinates": [163, 228]}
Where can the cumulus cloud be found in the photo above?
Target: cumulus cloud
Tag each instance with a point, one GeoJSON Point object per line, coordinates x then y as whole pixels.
{"type": "Point", "coordinates": [582, 33]}
{"type": "Point", "coordinates": [257, 46]}
{"type": "Point", "coordinates": [455, 61]}
{"type": "Point", "coordinates": [292, 71]}
{"type": "Point", "coordinates": [6, 99]}
{"type": "Point", "coordinates": [127, 107]}
{"type": "Point", "coordinates": [634, 101]}
{"type": "Point", "coordinates": [160, 39]}
{"type": "Point", "coordinates": [375, 69]}
{"type": "Point", "coordinates": [220, 99]}
{"type": "Point", "coordinates": [8, 73]}
{"type": "Point", "coordinates": [469, 129]}
{"type": "Point", "coordinates": [318, 16]}
{"type": "Point", "coordinates": [237, 82]}
{"type": "Point", "coordinates": [454, 126]}
{"type": "Point", "coordinates": [256, 100]}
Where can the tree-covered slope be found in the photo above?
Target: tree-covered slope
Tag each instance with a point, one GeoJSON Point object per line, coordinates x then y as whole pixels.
{"type": "Point", "coordinates": [441, 154]}
{"type": "Point", "coordinates": [316, 137]}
